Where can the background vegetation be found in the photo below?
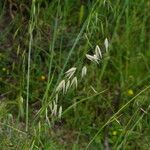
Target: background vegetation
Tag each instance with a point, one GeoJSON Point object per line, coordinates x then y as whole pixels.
{"type": "Point", "coordinates": [40, 40]}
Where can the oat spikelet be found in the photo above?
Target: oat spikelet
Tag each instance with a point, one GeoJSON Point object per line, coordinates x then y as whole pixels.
{"type": "Point", "coordinates": [54, 109]}
{"type": "Point", "coordinates": [84, 71]}
{"type": "Point", "coordinates": [56, 98]}
{"type": "Point", "coordinates": [61, 86]}
{"type": "Point", "coordinates": [60, 112]}
{"type": "Point", "coordinates": [74, 82]}
{"type": "Point", "coordinates": [98, 52]}
{"type": "Point", "coordinates": [67, 85]}
{"type": "Point", "coordinates": [106, 44]}
{"type": "Point", "coordinates": [70, 72]}
{"type": "Point", "coordinates": [92, 58]}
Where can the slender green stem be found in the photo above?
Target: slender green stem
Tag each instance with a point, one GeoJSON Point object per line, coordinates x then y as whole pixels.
{"type": "Point", "coordinates": [115, 115]}
{"type": "Point", "coordinates": [31, 26]}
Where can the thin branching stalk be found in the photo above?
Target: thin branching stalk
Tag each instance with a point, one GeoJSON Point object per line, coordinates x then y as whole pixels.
{"type": "Point", "coordinates": [31, 27]}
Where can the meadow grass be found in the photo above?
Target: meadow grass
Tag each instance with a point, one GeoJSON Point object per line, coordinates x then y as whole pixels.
{"type": "Point", "coordinates": [74, 74]}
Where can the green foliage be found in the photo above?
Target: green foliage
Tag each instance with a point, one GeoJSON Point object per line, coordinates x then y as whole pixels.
{"type": "Point", "coordinates": [41, 40]}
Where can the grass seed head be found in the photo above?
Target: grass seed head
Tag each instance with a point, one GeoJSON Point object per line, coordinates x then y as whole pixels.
{"type": "Point", "coordinates": [70, 72]}
{"type": "Point", "coordinates": [67, 85]}
{"type": "Point", "coordinates": [54, 109]}
{"type": "Point", "coordinates": [106, 44]}
{"type": "Point", "coordinates": [98, 52]}
{"type": "Point", "coordinates": [92, 58]}
{"type": "Point", "coordinates": [74, 82]}
{"type": "Point", "coordinates": [84, 71]}
{"type": "Point", "coordinates": [60, 112]}
{"type": "Point", "coordinates": [61, 86]}
{"type": "Point", "coordinates": [56, 98]}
